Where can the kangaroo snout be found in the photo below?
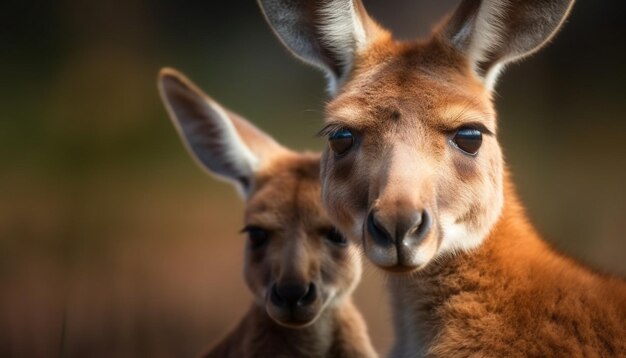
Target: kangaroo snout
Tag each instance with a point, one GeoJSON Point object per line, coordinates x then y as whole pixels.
{"type": "Point", "coordinates": [293, 294]}
{"type": "Point", "coordinates": [401, 230]}
{"type": "Point", "coordinates": [294, 303]}
{"type": "Point", "coordinates": [398, 241]}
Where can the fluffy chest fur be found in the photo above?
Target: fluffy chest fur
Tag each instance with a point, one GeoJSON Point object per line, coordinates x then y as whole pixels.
{"type": "Point", "coordinates": [513, 296]}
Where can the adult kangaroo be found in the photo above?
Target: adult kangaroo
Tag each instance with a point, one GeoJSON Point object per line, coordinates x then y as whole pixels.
{"type": "Point", "coordinates": [414, 171]}
{"type": "Point", "coordinates": [300, 270]}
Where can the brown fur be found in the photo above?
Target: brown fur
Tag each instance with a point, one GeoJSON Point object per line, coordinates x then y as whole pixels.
{"type": "Point", "coordinates": [513, 296]}
{"type": "Point", "coordinates": [286, 199]}
{"type": "Point", "coordinates": [282, 191]}
{"type": "Point", "coordinates": [337, 333]}
{"type": "Point", "coordinates": [481, 282]}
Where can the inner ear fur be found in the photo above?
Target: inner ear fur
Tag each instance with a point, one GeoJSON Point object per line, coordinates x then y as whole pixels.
{"type": "Point", "coordinates": [492, 33]}
{"type": "Point", "coordinates": [222, 142]}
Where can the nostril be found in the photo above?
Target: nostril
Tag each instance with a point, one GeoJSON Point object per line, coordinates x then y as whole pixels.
{"type": "Point", "coordinates": [423, 225]}
{"type": "Point", "coordinates": [377, 231]}
{"type": "Point", "coordinates": [310, 295]}
{"type": "Point", "coordinates": [275, 297]}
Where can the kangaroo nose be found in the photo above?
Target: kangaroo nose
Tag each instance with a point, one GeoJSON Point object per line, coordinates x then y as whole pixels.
{"type": "Point", "coordinates": [398, 230]}
{"type": "Point", "coordinates": [293, 294]}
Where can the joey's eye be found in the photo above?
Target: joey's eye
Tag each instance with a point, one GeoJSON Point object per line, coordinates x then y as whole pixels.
{"type": "Point", "coordinates": [334, 236]}
{"type": "Point", "coordinates": [257, 236]}
{"type": "Point", "coordinates": [341, 141]}
{"type": "Point", "coordinates": [468, 140]}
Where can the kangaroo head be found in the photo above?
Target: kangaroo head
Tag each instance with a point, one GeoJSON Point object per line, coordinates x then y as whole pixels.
{"type": "Point", "coordinates": [296, 263]}
{"type": "Point", "coordinates": [413, 168]}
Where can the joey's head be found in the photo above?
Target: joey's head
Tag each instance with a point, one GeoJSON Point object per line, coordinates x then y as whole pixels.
{"type": "Point", "coordinates": [413, 168]}
{"type": "Point", "coordinates": [296, 263]}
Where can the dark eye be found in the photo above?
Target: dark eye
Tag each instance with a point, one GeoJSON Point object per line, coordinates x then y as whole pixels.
{"type": "Point", "coordinates": [468, 140]}
{"type": "Point", "coordinates": [341, 141]}
{"type": "Point", "coordinates": [334, 236]}
{"type": "Point", "coordinates": [257, 236]}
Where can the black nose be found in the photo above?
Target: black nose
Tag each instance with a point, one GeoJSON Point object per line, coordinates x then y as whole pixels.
{"type": "Point", "coordinates": [293, 294]}
{"type": "Point", "coordinates": [387, 231]}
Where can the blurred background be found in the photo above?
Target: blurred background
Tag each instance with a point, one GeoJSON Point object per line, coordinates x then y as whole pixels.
{"type": "Point", "coordinates": [112, 241]}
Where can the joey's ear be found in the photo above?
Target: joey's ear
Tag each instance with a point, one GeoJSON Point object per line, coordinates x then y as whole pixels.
{"type": "Point", "coordinates": [324, 33]}
{"type": "Point", "coordinates": [492, 33]}
{"type": "Point", "coordinates": [222, 142]}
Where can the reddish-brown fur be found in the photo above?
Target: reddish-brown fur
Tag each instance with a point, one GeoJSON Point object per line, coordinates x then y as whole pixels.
{"type": "Point", "coordinates": [513, 296]}
{"type": "Point", "coordinates": [480, 282]}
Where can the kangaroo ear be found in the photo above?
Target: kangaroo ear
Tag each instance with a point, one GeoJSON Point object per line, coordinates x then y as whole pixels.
{"type": "Point", "coordinates": [492, 33]}
{"type": "Point", "coordinates": [324, 33]}
{"type": "Point", "coordinates": [222, 142]}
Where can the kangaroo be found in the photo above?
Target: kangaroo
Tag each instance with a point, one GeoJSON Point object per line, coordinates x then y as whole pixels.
{"type": "Point", "coordinates": [414, 172]}
{"type": "Point", "coordinates": [300, 269]}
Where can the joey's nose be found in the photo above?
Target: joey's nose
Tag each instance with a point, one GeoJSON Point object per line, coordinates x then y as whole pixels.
{"type": "Point", "coordinates": [293, 294]}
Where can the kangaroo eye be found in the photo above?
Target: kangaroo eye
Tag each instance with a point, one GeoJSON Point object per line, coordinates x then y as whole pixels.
{"type": "Point", "coordinates": [341, 141]}
{"type": "Point", "coordinates": [468, 140]}
{"type": "Point", "coordinates": [334, 236]}
{"type": "Point", "coordinates": [257, 237]}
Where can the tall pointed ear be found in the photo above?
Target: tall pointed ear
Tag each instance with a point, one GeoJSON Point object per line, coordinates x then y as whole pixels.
{"type": "Point", "coordinates": [492, 33]}
{"type": "Point", "coordinates": [221, 142]}
{"type": "Point", "coordinates": [324, 33]}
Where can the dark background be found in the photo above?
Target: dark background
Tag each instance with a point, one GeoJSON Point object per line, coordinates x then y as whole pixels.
{"type": "Point", "coordinates": [113, 243]}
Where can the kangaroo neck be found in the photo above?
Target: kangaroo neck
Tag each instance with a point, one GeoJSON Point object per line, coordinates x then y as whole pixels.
{"type": "Point", "coordinates": [270, 337]}
{"type": "Point", "coordinates": [421, 300]}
